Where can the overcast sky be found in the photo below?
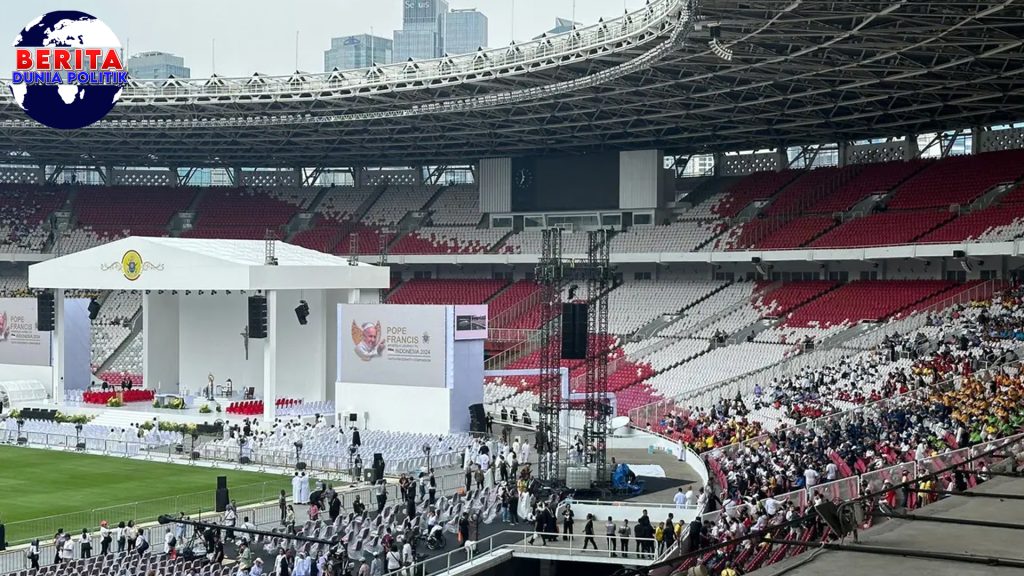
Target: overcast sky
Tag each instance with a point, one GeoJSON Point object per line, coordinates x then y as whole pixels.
{"type": "Point", "coordinates": [259, 35]}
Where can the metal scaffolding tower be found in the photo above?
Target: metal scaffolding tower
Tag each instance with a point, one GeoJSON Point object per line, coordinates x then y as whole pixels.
{"type": "Point", "coordinates": [549, 274]}
{"type": "Point", "coordinates": [597, 408]}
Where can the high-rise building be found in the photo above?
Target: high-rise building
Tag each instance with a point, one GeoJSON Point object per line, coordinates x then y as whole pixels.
{"type": "Point", "coordinates": [562, 25]}
{"type": "Point", "coordinates": [423, 30]}
{"type": "Point", "coordinates": [465, 31]}
{"type": "Point", "coordinates": [157, 66]}
{"type": "Point", "coordinates": [362, 51]}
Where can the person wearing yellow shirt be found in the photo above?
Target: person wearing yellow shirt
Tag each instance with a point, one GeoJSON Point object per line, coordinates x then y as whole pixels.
{"type": "Point", "coordinates": [659, 537]}
{"type": "Point", "coordinates": [729, 570]}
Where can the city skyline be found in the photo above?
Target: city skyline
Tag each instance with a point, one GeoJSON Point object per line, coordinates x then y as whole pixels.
{"type": "Point", "coordinates": [262, 36]}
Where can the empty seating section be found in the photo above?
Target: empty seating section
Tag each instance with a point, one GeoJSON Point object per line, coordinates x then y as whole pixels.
{"type": "Point", "coordinates": [322, 236]}
{"type": "Point", "coordinates": [23, 210]}
{"type": "Point", "coordinates": [456, 206]}
{"type": "Point", "coordinates": [736, 295]}
{"type": "Point", "coordinates": [872, 179]}
{"type": "Point", "coordinates": [958, 180]}
{"type": "Point", "coordinates": [396, 202]}
{"type": "Point", "coordinates": [448, 240]}
{"type": "Point", "coordinates": [242, 214]}
{"type": "Point", "coordinates": [422, 291]}
{"type": "Point", "coordinates": [129, 360]}
{"type": "Point", "coordinates": [807, 189]}
{"type": "Point", "coordinates": [517, 306]}
{"type": "Point", "coordinates": [635, 303]}
{"type": "Point", "coordinates": [115, 208]}
{"type": "Point", "coordinates": [756, 186]}
{"type": "Point", "coordinates": [672, 351]}
{"type": "Point", "coordinates": [531, 242]}
{"type": "Point", "coordinates": [715, 366]}
{"type": "Point", "coordinates": [684, 236]}
{"type": "Point", "coordinates": [362, 239]}
{"type": "Point", "coordinates": [113, 324]}
{"type": "Point", "coordinates": [787, 297]}
{"type": "Point", "coordinates": [883, 229]}
{"type": "Point", "coordinates": [997, 223]}
{"type": "Point", "coordinates": [340, 204]}
{"type": "Point", "coordinates": [872, 300]}
{"type": "Point", "coordinates": [88, 237]}
{"type": "Point", "coordinates": [794, 233]}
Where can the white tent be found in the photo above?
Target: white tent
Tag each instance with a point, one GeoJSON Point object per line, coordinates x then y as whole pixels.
{"type": "Point", "coordinates": [195, 309]}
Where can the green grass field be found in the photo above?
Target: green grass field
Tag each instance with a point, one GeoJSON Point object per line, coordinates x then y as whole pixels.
{"type": "Point", "coordinates": [35, 484]}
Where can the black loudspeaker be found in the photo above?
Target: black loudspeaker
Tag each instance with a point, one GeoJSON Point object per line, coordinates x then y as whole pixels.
{"type": "Point", "coordinates": [574, 331]}
{"type": "Point", "coordinates": [959, 254]}
{"type": "Point", "coordinates": [222, 500]}
{"type": "Point", "coordinates": [222, 482]}
{"type": "Point", "coordinates": [44, 312]}
{"type": "Point", "coordinates": [477, 418]}
{"type": "Point", "coordinates": [94, 309]}
{"type": "Point", "coordinates": [3, 538]}
{"type": "Point", "coordinates": [378, 467]}
{"type": "Point", "coordinates": [257, 317]}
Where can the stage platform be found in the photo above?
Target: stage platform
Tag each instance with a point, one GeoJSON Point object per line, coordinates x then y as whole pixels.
{"type": "Point", "coordinates": [138, 412]}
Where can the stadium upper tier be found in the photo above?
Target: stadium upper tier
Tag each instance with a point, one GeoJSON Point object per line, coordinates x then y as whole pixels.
{"type": "Point", "coordinates": [679, 75]}
{"type": "Point", "coordinates": [950, 201]}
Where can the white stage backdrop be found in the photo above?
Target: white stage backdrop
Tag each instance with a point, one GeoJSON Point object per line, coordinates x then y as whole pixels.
{"type": "Point", "coordinates": [20, 342]}
{"type": "Point", "coordinates": [393, 345]}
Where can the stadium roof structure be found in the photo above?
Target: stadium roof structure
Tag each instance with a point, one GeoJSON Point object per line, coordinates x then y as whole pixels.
{"type": "Point", "coordinates": [686, 76]}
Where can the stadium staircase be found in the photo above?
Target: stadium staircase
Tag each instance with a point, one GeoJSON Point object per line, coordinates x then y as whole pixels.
{"type": "Point", "coordinates": [658, 324]}
{"type": "Point", "coordinates": [496, 248]}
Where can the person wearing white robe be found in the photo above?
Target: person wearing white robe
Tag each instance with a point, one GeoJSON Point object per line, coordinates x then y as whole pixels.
{"type": "Point", "coordinates": [303, 565]}
{"type": "Point", "coordinates": [304, 488]}
{"type": "Point", "coordinates": [296, 489]}
{"type": "Point", "coordinates": [525, 506]}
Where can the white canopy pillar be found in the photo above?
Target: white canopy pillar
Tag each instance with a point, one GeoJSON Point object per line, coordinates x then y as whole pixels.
{"type": "Point", "coordinates": [270, 359]}
{"type": "Point", "coordinates": [57, 346]}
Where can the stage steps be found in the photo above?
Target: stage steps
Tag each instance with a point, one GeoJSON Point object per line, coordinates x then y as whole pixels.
{"type": "Point", "coordinates": [118, 419]}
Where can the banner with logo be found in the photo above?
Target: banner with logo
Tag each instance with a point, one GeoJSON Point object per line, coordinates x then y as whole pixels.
{"type": "Point", "coordinates": [471, 322]}
{"type": "Point", "coordinates": [20, 342]}
{"type": "Point", "coordinates": [392, 344]}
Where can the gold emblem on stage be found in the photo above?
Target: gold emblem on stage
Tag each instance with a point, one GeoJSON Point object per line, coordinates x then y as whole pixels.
{"type": "Point", "coordinates": [131, 265]}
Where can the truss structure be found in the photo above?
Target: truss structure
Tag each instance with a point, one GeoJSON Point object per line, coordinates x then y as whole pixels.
{"type": "Point", "coordinates": [800, 72]}
{"type": "Point", "coordinates": [596, 408]}
{"type": "Point", "coordinates": [551, 278]}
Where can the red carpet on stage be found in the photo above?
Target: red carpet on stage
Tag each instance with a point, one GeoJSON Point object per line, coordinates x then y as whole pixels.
{"type": "Point", "coordinates": [126, 396]}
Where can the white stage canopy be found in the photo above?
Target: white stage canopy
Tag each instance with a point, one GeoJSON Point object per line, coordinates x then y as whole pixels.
{"type": "Point", "coordinates": [199, 264]}
{"type": "Point", "coordinates": [195, 307]}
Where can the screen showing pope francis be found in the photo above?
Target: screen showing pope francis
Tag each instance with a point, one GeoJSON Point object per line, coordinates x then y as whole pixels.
{"type": "Point", "coordinates": [392, 344]}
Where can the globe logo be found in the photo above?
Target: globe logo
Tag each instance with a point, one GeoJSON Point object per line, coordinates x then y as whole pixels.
{"type": "Point", "coordinates": [68, 71]}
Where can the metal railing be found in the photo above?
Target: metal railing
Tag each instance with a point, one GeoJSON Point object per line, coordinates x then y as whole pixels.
{"type": "Point", "coordinates": [870, 486]}
{"type": "Point", "coordinates": [328, 465]}
{"type": "Point", "coordinates": [528, 543]}
{"type": "Point", "coordinates": [195, 504]}
{"type": "Point", "coordinates": [518, 309]}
